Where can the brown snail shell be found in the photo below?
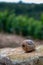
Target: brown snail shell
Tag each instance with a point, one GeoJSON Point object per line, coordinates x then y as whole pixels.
{"type": "Point", "coordinates": [28, 45]}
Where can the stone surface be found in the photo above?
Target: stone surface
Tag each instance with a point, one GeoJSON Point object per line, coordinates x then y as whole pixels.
{"type": "Point", "coordinates": [28, 45]}
{"type": "Point", "coordinates": [17, 56]}
{"type": "Point", "coordinates": [38, 60]}
{"type": "Point", "coordinates": [5, 61]}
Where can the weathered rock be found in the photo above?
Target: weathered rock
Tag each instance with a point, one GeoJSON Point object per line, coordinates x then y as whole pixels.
{"type": "Point", "coordinates": [39, 48]}
{"type": "Point", "coordinates": [28, 45]}
{"type": "Point", "coordinates": [5, 61]}
{"type": "Point", "coordinates": [16, 56]}
{"type": "Point", "coordinates": [38, 60]}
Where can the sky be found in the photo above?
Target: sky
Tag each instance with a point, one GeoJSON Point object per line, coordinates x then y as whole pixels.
{"type": "Point", "coordinates": [26, 1]}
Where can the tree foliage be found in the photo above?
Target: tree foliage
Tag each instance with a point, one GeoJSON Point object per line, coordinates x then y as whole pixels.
{"type": "Point", "coordinates": [23, 19]}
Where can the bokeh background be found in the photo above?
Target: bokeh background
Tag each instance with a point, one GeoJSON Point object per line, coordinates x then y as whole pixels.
{"type": "Point", "coordinates": [22, 18]}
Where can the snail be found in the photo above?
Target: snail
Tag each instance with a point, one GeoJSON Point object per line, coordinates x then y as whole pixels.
{"type": "Point", "coordinates": [28, 45]}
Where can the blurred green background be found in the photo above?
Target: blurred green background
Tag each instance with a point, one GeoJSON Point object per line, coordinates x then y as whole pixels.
{"type": "Point", "coordinates": [22, 18]}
